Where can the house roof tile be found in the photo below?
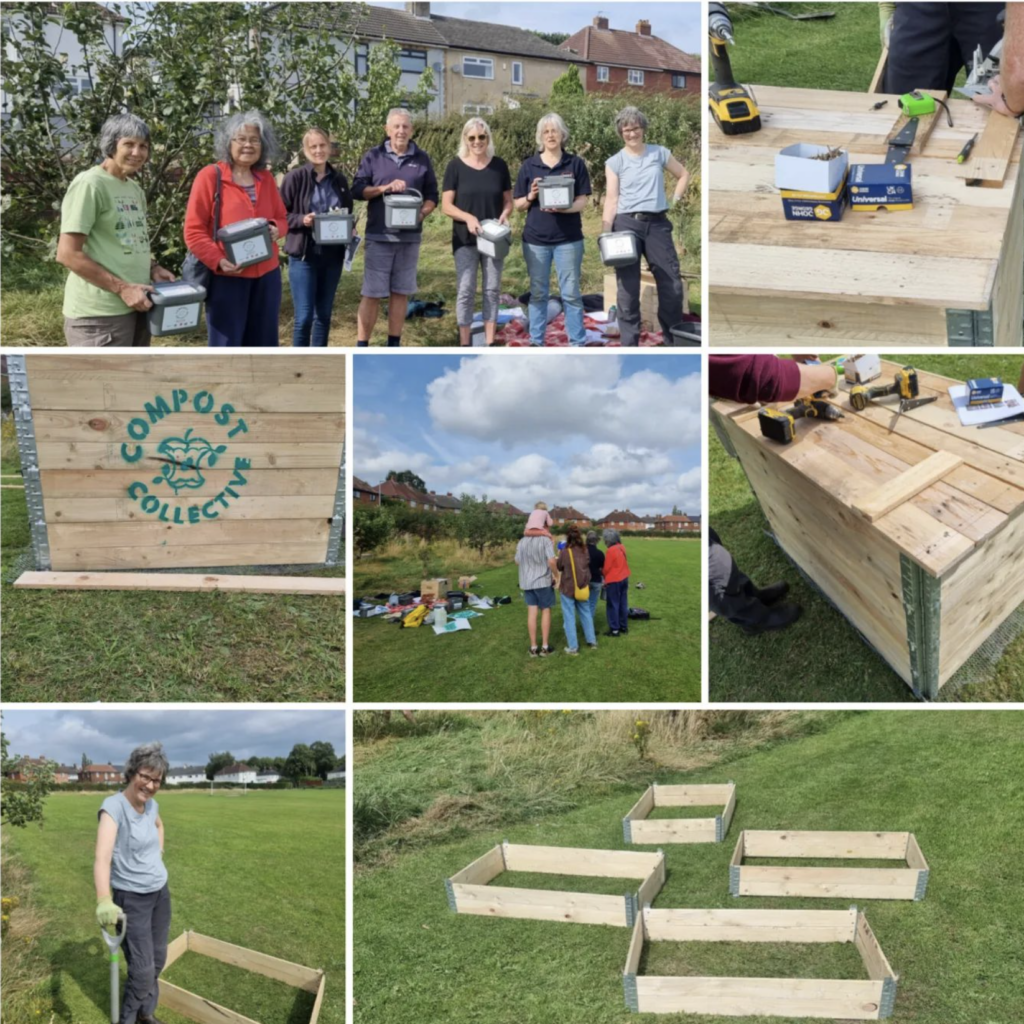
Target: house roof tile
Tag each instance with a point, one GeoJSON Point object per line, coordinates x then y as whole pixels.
{"type": "Point", "coordinates": [629, 49]}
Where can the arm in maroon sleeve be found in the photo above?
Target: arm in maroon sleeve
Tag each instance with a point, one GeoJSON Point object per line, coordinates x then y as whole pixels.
{"type": "Point", "coordinates": [753, 379]}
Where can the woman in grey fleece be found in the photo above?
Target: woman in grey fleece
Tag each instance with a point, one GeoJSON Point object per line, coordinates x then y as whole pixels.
{"type": "Point", "coordinates": [131, 879]}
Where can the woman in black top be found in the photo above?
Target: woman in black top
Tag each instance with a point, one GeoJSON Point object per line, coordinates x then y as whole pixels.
{"type": "Point", "coordinates": [596, 573]}
{"type": "Point", "coordinates": [313, 270]}
{"type": "Point", "coordinates": [477, 187]}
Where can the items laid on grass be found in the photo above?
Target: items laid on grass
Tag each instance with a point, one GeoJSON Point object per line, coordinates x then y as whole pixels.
{"type": "Point", "coordinates": [637, 829]}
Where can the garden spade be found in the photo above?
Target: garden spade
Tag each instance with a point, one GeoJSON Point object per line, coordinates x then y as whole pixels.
{"type": "Point", "coordinates": [114, 945]}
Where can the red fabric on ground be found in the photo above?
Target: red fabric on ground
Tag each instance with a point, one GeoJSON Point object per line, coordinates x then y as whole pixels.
{"type": "Point", "coordinates": [516, 334]}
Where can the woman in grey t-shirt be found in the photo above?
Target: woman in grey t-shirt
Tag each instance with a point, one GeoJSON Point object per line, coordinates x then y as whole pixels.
{"type": "Point", "coordinates": [131, 879]}
{"type": "Point", "coordinates": [635, 201]}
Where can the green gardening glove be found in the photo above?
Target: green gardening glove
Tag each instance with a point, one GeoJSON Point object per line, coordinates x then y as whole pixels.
{"type": "Point", "coordinates": [107, 913]}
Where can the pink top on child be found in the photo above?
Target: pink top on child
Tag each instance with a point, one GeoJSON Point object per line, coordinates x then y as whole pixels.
{"type": "Point", "coordinates": [539, 520]}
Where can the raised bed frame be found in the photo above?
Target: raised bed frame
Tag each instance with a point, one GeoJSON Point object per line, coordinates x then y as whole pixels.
{"type": "Point", "coordinates": [469, 893]}
{"type": "Point", "coordinates": [897, 883]}
{"type": "Point", "coordinates": [636, 829]}
{"type": "Point", "coordinates": [203, 1011]}
{"type": "Point", "coordinates": [871, 999]}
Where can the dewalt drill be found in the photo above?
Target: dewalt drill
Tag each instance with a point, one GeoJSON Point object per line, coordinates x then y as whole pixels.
{"type": "Point", "coordinates": [780, 425]}
{"type": "Point", "coordinates": [732, 106]}
{"type": "Point", "coordinates": [905, 385]}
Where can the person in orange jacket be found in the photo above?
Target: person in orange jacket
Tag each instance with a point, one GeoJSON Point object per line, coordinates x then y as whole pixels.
{"type": "Point", "coordinates": [243, 305]}
{"type": "Point", "coordinates": [616, 584]}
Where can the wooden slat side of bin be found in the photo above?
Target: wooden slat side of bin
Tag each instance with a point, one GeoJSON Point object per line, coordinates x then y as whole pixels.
{"type": "Point", "coordinates": [680, 830]}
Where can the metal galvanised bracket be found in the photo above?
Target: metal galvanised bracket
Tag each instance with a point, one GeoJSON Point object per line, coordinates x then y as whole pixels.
{"type": "Point", "coordinates": [922, 885]}
{"type": "Point", "coordinates": [627, 830]}
{"type": "Point", "coordinates": [451, 896]}
{"type": "Point", "coordinates": [629, 988]}
{"type": "Point", "coordinates": [888, 1003]}
{"type": "Point", "coordinates": [734, 879]}
{"type": "Point", "coordinates": [719, 828]}
{"type": "Point", "coordinates": [970, 328]}
{"type": "Point", "coordinates": [632, 908]}
{"type": "Point", "coordinates": [29, 455]}
{"type": "Point", "coordinates": [335, 538]}
{"type": "Point", "coordinates": [923, 607]}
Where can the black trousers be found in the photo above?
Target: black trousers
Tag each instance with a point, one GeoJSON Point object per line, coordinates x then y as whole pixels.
{"type": "Point", "coordinates": [731, 593]}
{"type": "Point", "coordinates": [654, 240]}
{"type": "Point", "coordinates": [145, 949]}
{"type": "Point", "coordinates": [931, 42]}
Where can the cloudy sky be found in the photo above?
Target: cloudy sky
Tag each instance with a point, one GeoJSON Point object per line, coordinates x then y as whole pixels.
{"type": "Point", "coordinates": [676, 23]}
{"type": "Point", "coordinates": [189, 737]}
{"type": "Point", "coordinates": [599, 433]}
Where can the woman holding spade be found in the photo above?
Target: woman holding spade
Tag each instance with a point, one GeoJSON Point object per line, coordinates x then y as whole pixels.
{"type": "Point", "coordinates": [131, 879]}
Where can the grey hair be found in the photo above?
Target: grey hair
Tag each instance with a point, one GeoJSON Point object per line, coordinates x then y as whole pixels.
{"type": "Point", "coordinates": [121, 126]}
{"type": "Point", "coordinates": [557, 121]}
{"type": "Point", "coordinates": [149, 755]}
{"type": "Point", "coordinates": [591, 537]}
{"type": "Point", "coordinates": [478, 123]}
{"type": "Point", "coordinates": [611, 537]}
{"type": "Point", "coordinates": [395, 111]}
{"type": "Point", "coordinates": [630, 115]}
{"type": "Point", "coordinates": [269, 149]}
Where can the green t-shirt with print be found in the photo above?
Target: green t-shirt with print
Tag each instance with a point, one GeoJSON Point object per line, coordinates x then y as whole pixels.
{"type": "Point", "coordinates": [112, 214]}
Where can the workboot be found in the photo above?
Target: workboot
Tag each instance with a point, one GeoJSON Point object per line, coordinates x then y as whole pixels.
{"type": "Point", "coordinates": [774, 619]}
{"type": "Point", "coordinates": [772, 594]}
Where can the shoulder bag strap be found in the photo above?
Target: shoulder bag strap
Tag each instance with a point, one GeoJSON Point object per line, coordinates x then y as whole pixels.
{"type": "Point", "coordinates": [572, 562]}
{"type": "Point", "coordinates": [216, 205]}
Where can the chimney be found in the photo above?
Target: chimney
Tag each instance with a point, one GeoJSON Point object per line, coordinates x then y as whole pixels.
{"type": "Point", "coordinates": [418, 10]}
{"type": "Point", "coordinates": [643, 28]}
{"type": "Point", "coordinates": [600, 22]}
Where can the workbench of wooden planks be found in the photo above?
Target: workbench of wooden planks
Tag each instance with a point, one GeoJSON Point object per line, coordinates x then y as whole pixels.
{"type": "Point", "coordinates": [927, 581]}
{"type": "Point", "coordinates": [949, 271]}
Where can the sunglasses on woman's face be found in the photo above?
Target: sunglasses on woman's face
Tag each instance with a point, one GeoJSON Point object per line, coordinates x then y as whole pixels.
{"type": "Point", "coordinates": [476, 138]}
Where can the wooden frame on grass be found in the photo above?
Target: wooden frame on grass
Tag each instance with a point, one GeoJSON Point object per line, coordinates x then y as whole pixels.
{"type": "Point", "coordinates": [469, 893]}
{"type": "Point", "coordinates": [871, 999]}
{"type": "Point", "coordinates": [896, 883]}
{"type": "Point", "coordinates": [203, 1011]}
{"type": "Point", "coordinates": [636, 829]}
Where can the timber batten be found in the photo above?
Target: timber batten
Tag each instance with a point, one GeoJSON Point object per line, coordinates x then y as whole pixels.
{"type": "Point", "coordinates": [638, 828]}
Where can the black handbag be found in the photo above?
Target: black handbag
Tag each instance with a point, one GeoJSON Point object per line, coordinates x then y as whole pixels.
{"type": "Point", "coordinates": [194, 270]}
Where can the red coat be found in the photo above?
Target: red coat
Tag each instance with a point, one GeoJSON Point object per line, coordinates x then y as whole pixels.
{"type": "Point", "coordinates": [616, 568]}
{"type": "Point", "coordinates": [235, 205]}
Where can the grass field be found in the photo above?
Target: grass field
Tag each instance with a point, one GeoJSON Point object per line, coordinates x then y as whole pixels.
{"type": "Point", "coordinates": [658, 660]}
{"type": "Point", "coordinates": [264, 870]}
{"type": "Point", "coordinates": [31, 296]}
{"type": "Point", "coordinates": [126, 645]}
{"type": "Point", "coordinates": [951, 778]}
{"type": "Point", "coordinates": [821, 657]}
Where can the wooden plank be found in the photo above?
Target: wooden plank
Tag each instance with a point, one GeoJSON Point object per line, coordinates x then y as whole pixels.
{"type": "Point", "coordinates": [203, 1011]}
{"type": "Point", "coordinates": [674, 830]}
{"type": "Point", "coordinates": [564, 860]}
{"type": "Point", "coordinates": [540, 905]}
{"type": "Point", "coordinates": [925, 123]}
{"type": "Point", "coordinates": [730, 807]}
{"type": "Point", "coordinates": [483, 869]}
{"type": "Point", "coordinates": [643, 806]}
{"type": "Point", "coordinates": [831, 845]}
{"type": "Point", "coordinates": [636, 946]}
{"type": "Point", "coordinates": [1008, 293]}
{"type": "Point", "coordinates": [691, 796]}
{"type": "Point", "coordinates": [870, 951]}
{"type": "Point", "coordinates": [315, 1016]}
{"type": "Point", "coordinates": [908, 485]}
{"type": "Point", "coordinates": [305, 978]}
{"type": "Point", "coordinates": [821, 883]}
{"type": "Point", "coordinates": [751, 925]}
{"type": "Point", "coordinates": [739, 852]}
{"type": "Point", "coordinates": [89, 483]}
{"type": "Point", "coordinates": [878, 78]}
{"type": "Point", "coordinates": [993, 152]}
{"type": "Point", "coordinates": [217, 532]}
{"type": "Point", "coordinates": [652, 885]}
{"type": "Point", "coordinates": [125, 510]}
{"type": "Point", "coordinates": [184, 582]}
{"type": "Point", "coordinates": [175, 948]}
{"type": "Point", "coordinates": [915, 858]}
{"type": "Point", "coordinates": [267, 455]}
{"type": "Point", "coordinates": [209, 555]}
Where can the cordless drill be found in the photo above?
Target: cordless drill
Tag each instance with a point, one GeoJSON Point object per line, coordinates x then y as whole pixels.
{"type": "Point", "coordinates": [780, 425]}
{"type": "Point", "coordinates": [731, 105]}
{"type": "Point", "coordinates": [905, 385]}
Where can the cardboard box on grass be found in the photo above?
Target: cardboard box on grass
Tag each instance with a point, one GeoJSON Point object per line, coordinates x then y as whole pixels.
{"type": "Point", "coordinates": [434, 588]}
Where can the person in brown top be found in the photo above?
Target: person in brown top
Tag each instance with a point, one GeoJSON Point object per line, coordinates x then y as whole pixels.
{"type": "Point", "coordinates": [574, 560]}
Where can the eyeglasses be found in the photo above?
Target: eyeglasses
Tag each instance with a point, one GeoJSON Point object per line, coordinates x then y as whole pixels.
{"type": "Point", "coordinates": [253, 140]}
{"type": "Point", "coordinates": [631, 129]}
{"type": "Point", "coordinates": [476, 138]}
{"type": "Point", "coordinates": [149, 779]}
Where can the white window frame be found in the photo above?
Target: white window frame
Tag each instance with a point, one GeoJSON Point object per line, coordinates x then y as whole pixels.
{"type": "Point", "coordinates": [635, 77]}
{"type": "Point", "coordinates": [477, 108]}
{"type": "Point", "coordinates": [679, 80]}
{"type": "Point", "coordinates": [486, 63]}
{"type": "Point", "coordinates": [602, 73]}
{"type": "Point", "coordinates": [517, 65]}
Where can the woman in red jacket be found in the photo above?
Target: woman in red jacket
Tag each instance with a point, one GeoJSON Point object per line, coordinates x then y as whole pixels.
{"type": "Point", "coordinates": [242, 305]}
{"type": "Point", "coordinates": [616, 584]}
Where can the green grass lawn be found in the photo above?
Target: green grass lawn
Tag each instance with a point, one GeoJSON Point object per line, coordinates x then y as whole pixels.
{"type": "Point", "coordinates": [951, 778]}
{"type": "Point", "coordinates": [658, 660]}
{"type": "Point", "coordinates": [31, 297]}
{"type": "Point", "coordinates": [821, 657]}
{"type": "Point", "coordinates": [265, 871]}
{"type": "Point", "coordinates": [127, 645]}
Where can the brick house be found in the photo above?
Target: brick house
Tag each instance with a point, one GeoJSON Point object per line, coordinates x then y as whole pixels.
{"type": "Point", "coordinates": [504, 508]}
{"type": "Point", "coordinates": [407, 495]}
{"type": "Point", "coordinates": [106, 773]}
{"type": "Point", "coordinates": [614, 59]}
{"type": "Point", "coordinates": [363, 493]}
{"type": "Point", "coordinates": [446, 502]}
{"type": "Point", "coordinates": [649, 522]}
{"type": "Point", "coordinates": [563, 516]}
{"type": "Point", "coordinates": [678, 524]}
{"type": "Point", "coordinates": [621, 521]}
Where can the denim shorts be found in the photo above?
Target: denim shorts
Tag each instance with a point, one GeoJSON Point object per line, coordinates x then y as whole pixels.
{"type": "Point", "coordinates": [541, 597]}
{"type": "Point", "coordinates": [390, 268]}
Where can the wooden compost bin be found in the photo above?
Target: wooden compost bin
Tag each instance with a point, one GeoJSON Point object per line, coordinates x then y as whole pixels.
{"type": "Point", "coordinates": [203, 1011]}
{"type": "Point", "coordinates": [636, 829]}
{"type": "Point", "coordinates": [909, 881]}
{"type": "Point", "coordinates": [152, 461]}
{"type": "Point", "coordinates": [912, 527]}
{"type": "Point", "coordinates": [871, 999]}
{"type": "Point", "coordinates": [948, 272]}
{"type": "Point", "coordinates": [469, 893]}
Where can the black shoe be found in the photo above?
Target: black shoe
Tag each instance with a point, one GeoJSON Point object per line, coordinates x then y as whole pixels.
{"type": "Point", "coordinates": [776, 618]}
{"type": "Point", "coordinates": [773, 594]}
{"type": "Point", "coordinates": [624, 630]}
{"type": "Point", "coordinates": [545, 651]}
{"type": "Point", "coordinates": [148, 1020]}
{"type": "Point", "coordinates": [612, 632]}
{"type": "Point", "coordinates": [534, 652]}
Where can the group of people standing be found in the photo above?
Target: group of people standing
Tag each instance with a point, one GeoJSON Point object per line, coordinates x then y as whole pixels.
{"type": "Point", "coordinates": [104, 240]}
{"type": "Point", "coordinates": [580, 571]}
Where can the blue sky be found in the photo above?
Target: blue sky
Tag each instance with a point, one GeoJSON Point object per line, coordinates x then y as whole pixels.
{"type": "Point", "coordinates": [677, 23]}
{"type": "Point", "coordinates": [599, 432]}
{"type": "Point", "coordinates": [189, 737]}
